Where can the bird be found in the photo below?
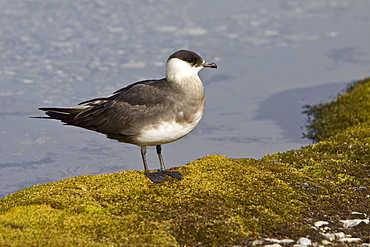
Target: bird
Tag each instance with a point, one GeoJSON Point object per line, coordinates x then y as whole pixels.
{"type": "Point", "coordinates": [146, 113]}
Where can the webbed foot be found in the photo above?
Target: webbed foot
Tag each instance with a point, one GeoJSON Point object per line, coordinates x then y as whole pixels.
{"type": "Point", "coordinates": [174, 174]}
{"type": "Point", "coordinates": [156, 177]}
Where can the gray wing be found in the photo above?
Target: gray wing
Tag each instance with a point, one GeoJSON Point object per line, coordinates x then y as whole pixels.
{"type": "Point", "coordinates": [126, 110]}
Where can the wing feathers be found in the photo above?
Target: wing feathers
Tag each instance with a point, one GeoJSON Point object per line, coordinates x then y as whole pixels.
{"type": "Point", "coordinates": [116, 114]}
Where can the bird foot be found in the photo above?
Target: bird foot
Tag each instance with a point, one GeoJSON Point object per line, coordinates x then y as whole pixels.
{"type": "Point", "coordinates": [156, 177]}
{"type": "Point", "coordinates": [174, 174]}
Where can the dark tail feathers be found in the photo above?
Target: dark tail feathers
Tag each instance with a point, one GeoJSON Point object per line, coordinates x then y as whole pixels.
{"type": "Point", "coordinates": [66, 115]}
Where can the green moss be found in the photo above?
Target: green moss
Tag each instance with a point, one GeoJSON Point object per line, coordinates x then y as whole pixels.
{"type": "Point", "coordinates": [220, 201]}
{"type": "Point", "coordinates": [350, 109]}
{"type": "Point", "coordinates": [337, 171]}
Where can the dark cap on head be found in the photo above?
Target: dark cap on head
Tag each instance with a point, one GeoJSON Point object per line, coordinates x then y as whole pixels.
{"type": "Point", "coordinates": [192, 58]}
{"type": "Point", "coordinates": [188, 56]}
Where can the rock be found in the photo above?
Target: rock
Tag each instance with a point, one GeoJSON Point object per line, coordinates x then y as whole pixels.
{"type": "Point", "coordinates": [286, 241]}
{"type": "Point", "coordinates": [278, 241]}
{"type": "Point", "coordinates": [304, 241]}
{"type": "Point", "coordinates": [359, 215]}
{"type": "Point", "coordinates": [353, 223]}
{"type": "Point", "coordinates": [321, 223]}
{"type": "Point", "coordinates": [326, 242]}
{"type": "Point", "coordinates": [272, 240]}
{"type": "Point", "coordinates": [257, 242]}
{"type": "Point", "coordinates": [350, 240]}
{"type": "Point", "coordinates": [329, 236]}
{"type": "Point", "coordinates": [339, 235]}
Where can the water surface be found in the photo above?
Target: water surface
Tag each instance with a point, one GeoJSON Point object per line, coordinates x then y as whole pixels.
{"type": "Point", "coordinates": [273, 58]}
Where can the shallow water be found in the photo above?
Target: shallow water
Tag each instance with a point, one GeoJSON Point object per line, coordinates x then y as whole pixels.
{"type": "Point", "coordinates": [273, 58]}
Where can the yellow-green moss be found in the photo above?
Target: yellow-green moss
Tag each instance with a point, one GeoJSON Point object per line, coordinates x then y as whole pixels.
{"type": "Point", "coordinates": [350, 109]}
{"type": "Point", "coordinates": [338, 171]}
{"type": "Point", "coordinates": [220, 201]}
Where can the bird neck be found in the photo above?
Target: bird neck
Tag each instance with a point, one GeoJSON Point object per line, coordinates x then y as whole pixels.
{"type": "Point", "coordinates": [189, 85]}
{"type": "Point", "coordinates": [184, 77]}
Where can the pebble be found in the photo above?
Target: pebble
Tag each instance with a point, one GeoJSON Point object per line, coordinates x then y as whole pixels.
{"type": "Point", "coordinates": [272, 240]}
{"type": "Point", "coordinates": [257, 242]}
{"type": "Point", "coordinates": [353, 223]}
{"type": "Point", "coordinates": [279, 241]}
{"type": "Point", "coordinates": [340, 235]}
{"type": "Point", "coordinates": [326, 242]}
{"type": "Point", "coordinates": [329, 236]}
{"type": "Point", "coordinates": [286, 241]}
{"type": "Point", "coordinates": [350, 240]}
{"type": "Point", "coordinates": [319, 224]}
{"type": "Point", "coordinates": [359, 214]}
{"type": "Point", "coordinates": [304, 241]}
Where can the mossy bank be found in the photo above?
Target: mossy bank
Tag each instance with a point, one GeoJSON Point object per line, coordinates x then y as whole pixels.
{"type": "Point", "coordinates": [220, 201]}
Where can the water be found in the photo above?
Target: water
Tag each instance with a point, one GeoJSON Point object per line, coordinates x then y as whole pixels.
{"type": "Point", "coordinates": [273, 58]}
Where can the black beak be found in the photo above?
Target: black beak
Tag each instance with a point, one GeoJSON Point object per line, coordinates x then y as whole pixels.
{"type": "Point", "coordinates": [209, 65]}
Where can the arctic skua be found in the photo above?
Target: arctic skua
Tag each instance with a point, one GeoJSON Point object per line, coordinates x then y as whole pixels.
{"type": "Point", "coordinates": [147, 113]}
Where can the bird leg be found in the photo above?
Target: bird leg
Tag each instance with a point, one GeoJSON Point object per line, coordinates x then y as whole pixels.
{"type": "Point", "coordinates": [173, 174]}
{"type": "Point", "coordinates": [159, 152]}
{"type": "Point", "coordinates": [156, 177]}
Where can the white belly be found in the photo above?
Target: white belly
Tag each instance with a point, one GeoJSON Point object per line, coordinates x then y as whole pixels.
{"type": "Point", "coordinates": [165, 132]}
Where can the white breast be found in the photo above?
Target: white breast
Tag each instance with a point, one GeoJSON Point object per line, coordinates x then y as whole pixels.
{"type": "Point", "coordinates": [166, 132]}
